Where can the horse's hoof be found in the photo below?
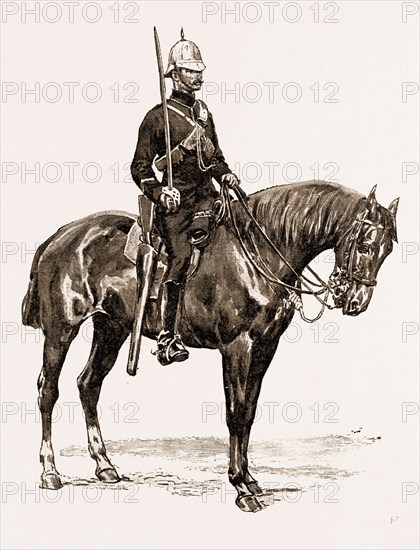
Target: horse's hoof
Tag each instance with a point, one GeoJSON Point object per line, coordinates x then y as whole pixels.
{"type": "Point", "coordinates": [249, 503]}
{"type": "Point", "coordinates": [51, 481]}
{"type": "Point", "coordinates": [254, 488]}
{"type": "Point", "coordinates": [108, 475]}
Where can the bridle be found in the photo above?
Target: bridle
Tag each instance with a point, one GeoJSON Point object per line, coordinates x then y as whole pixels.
{"type": "Point", "coordinates": [349, 258]}
{"type": "Point", "coordinates": [340, 279]}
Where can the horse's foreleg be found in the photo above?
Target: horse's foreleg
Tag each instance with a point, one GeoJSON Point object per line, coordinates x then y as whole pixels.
{"type": "Point", "coordinates": [108, 338]}
{"type": "Point", "coordinates": [55, 351]}
{"type": "Point", "coordinates": [244, 365]}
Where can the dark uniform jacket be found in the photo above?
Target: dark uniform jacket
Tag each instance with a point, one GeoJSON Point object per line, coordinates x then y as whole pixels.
{"type": "Point", "coordinates": [192, 183]}
{"type": "Point", "coordinates": [195, 185]}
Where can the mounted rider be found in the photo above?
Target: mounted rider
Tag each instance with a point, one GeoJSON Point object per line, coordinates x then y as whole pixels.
{"type": "Point", "coordinates": [181, 206]}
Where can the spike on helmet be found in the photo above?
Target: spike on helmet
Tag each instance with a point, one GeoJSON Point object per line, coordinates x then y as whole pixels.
{"type": "Point", "coordinates": [184, 54]}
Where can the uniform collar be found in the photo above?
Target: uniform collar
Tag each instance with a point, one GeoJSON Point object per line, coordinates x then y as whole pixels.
{"type": "Point", "coordinates": [183, 97]}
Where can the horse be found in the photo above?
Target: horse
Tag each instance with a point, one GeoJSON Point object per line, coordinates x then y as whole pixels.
{"type": "Point", "coordinates": [230, 304]}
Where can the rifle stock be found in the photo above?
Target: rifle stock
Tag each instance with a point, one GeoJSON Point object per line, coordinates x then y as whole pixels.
{"type": "Point", "coordinates": [145, 268]}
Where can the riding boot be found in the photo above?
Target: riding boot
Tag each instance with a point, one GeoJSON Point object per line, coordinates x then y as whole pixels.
{"type": "Point", "coordinates": [170, 346]}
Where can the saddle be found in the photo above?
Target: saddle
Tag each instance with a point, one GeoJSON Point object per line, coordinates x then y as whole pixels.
{"type": "Point", "coordinates": [201, 232]}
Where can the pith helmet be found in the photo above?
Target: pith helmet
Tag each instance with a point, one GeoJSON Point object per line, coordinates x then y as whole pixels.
{"type": "Point", "coordinates": [184, 54]}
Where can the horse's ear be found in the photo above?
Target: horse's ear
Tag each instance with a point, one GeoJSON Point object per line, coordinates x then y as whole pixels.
{"type": "Point", "coordinates": [371, 201]}
{"type": "Point", "coordinates": [393, 207]}
{"type": "Point", "coordinates": [371, 195]}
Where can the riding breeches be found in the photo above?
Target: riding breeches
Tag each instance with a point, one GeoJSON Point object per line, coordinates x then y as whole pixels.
{"type": "Point", "coordinates": [177, 229]}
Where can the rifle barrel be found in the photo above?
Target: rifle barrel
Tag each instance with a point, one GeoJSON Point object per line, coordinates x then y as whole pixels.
{"type": "Point", "coordinates": [165, 108]}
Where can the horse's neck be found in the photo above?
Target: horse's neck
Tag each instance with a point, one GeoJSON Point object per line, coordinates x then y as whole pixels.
{"type": "Point", "coordinates": [303, 253]}
{"type": "Point", "coordinates": [302, 244]}
{"type": "Point", "coordinates": [298, 253]}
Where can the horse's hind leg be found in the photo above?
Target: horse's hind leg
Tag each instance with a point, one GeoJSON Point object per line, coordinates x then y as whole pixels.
{"type": "Point", "coordinates": [55, 350]}
{"type": "Point", "coordinates": [108, 338]}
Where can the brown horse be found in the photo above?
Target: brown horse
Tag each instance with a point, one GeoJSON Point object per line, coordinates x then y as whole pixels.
{"type": "Point", "coordinates": [228, 305]}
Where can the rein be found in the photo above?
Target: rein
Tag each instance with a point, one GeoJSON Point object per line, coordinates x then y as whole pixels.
{"type": "Point", "coordinates": [293, 291]}
{"type": "Point", "coordinates": [265, 271]}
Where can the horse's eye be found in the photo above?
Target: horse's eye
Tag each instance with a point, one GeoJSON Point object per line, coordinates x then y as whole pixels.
{"type": "Point", "coordinates": [363, 249]}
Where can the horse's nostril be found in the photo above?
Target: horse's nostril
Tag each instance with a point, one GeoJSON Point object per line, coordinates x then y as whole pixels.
{"type": "Point", "coordinates": [354, 304]}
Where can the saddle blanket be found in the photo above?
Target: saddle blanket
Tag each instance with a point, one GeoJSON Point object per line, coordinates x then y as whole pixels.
{"type": "Point", "coordinates": [132, 243]}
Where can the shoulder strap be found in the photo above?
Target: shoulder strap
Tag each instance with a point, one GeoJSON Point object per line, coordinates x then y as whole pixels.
{"type": "Point", "coordinates": [177, 111]}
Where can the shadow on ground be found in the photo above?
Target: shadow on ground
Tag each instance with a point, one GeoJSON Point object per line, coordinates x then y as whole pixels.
{"type": "Point", "coordinates": [196, 466]}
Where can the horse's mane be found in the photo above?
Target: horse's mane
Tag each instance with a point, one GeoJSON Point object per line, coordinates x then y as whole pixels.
{"type": "Point", "coordinates": [307, 212]}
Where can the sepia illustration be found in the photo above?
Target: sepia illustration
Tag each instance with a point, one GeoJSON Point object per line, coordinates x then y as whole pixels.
{"type": "Point", "coordinates": [210, 298]}
{"type": "Point", "coordinates": [231, 271]}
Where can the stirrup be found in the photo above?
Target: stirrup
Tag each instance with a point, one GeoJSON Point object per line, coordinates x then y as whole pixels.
{"type": "Point", "coordinates": [170, 350]}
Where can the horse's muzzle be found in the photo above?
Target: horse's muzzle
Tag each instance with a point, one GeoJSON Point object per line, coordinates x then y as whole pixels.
{"type": "Point", "coordinates": [357, 299]}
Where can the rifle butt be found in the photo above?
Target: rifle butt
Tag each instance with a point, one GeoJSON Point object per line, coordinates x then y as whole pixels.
{"type": "Point", "coordinates": [147, 254]}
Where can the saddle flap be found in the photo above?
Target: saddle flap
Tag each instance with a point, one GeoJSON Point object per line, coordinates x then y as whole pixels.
{"type": "Point", "coordinates": [131, 251]}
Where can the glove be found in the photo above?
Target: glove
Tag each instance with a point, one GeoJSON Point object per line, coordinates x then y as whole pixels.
{"type": "Point", "coordinates": [170, 199]}
{"type": "Point", "coordinates": [231, 180]}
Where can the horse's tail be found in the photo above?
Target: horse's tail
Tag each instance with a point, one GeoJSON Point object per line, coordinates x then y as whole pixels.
{"type": "Point", "coordinates": [31, 314]}
{"type": "Point", "coordinates": [30, 304]}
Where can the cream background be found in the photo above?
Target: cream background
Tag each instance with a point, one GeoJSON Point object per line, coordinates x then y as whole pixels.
{"type": "Point", "coordinates": [368, 373]}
